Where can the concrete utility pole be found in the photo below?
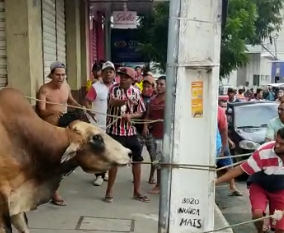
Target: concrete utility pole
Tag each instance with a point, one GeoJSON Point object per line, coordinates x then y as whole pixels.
{"type": "Point", "coordinates": [188, 196]}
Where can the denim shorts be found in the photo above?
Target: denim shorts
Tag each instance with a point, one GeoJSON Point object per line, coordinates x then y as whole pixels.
{"type": "Point", "coordinates": [150, 143]}
{"type": "Point", "coordinates": [225, 161]}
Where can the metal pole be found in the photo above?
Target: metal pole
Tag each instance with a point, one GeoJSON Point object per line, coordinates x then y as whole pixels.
{"type": "Point", "coordinates": [275, 47]}
{"type": "Point", "coordinates": [172, 58]}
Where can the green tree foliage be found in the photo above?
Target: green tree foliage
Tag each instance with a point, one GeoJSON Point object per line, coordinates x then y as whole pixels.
{"type": "Point", "coordinates": [248, 22]}
{"type": "Point", "coordinates": [153, 34]}
{"type": "Point", "coordinates": [269, 19]}
{"type": "Point", "coordinates": [240, 26]}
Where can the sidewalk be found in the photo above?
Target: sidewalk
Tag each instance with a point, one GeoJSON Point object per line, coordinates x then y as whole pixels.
{"type": "Point", "coordinates": [86, 212]}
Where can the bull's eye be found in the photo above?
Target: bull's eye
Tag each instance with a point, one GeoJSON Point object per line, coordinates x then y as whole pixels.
{"type": "Point", "coordinates": [97, 137]}
{"type": "Point", "coordinates": [97, 142]}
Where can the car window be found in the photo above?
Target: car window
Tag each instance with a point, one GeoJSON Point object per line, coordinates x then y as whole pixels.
{"type": "Point", "coordinates": [255, 115]}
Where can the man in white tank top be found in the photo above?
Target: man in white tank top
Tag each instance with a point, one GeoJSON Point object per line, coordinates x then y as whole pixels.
{"type": "Point", "coordinates": [96, 99]}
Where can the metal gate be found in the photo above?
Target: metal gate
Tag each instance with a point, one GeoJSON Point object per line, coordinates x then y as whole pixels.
{"type": "Point", "coordinates": [3, 54]}
{"type": "Point", "coordinates": [53, 34]}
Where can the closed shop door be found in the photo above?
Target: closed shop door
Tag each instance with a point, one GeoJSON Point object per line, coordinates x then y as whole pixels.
{"type": "Point", "coordinates": [53, 34]}
{"type": "Point", "coordinates": [3, 55]}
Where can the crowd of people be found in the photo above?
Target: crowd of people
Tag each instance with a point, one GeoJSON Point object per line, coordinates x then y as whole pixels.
{"type": "Point", "coordinates": [260, 94]}
{"type": "Point", "coordinates": [118, 96]}
{"type": "Point", "coordinates": [129, 93]}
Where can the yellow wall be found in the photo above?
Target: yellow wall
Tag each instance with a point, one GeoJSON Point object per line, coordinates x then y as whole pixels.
{"type": "Point", "coordinates": [24, 44]}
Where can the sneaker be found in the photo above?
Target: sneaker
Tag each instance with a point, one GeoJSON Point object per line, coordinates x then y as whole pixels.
{"type": "Point", "coordinates": [106, 177]}
{"type": "Point", "coordinates": [98, 181]}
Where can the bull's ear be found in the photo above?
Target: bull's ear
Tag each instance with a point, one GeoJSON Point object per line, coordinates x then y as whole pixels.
{"type": "Point", "coordinates": [70, 152]}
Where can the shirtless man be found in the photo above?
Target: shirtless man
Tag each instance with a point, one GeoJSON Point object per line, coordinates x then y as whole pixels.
{"type": "Point", "coordinates": [56, 91]}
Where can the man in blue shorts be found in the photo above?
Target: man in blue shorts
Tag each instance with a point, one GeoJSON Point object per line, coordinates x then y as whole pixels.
{"type": "Point", "coordinates": [226, 160]}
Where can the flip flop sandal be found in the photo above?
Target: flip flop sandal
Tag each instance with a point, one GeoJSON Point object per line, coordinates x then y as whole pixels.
{"type": "Point", "coordinates": [235, 193]}
{"type": "Point", "coordinates": [152, 181]}
{"type": "Point", "coordinates": [142, 198]}
{"type": "Point", "coordinates": [58, 202]}
{"type": "Point", "coordinates": [108, 199]}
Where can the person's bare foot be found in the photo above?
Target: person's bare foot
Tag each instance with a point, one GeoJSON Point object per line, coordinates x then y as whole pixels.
{"type": "Point", "coordinates": [266, 225]}
{"type": "Point", "coordinates": [155, 190]}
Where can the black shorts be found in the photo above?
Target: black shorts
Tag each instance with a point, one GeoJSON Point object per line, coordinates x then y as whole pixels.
{"type": "Point", "coordinates": [132, 143]}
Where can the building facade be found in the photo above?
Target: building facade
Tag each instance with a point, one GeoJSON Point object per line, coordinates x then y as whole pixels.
{"type": "Point", "coordinates": [35, 33]}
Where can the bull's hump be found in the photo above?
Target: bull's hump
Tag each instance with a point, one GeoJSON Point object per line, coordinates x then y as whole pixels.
{"type": "Point", "coordinates": [11, 94]}
{"type": "Point", "coordinates": [13, 103]}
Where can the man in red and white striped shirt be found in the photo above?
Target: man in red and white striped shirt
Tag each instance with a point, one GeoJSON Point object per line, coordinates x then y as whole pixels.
{"type": "Point", "coordinates": [125, 103]}
{"type": "Point", "coordinates": [266, 182]}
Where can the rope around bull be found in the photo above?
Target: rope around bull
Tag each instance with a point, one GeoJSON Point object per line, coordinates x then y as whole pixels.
{"type": "Point", "coordinates": [173, 165]}
{"type": "Point", "coordinates": [278, 214]}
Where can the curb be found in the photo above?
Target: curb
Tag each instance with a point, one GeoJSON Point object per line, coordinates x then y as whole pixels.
{"type": "Point", "coordinates": [220, 221]}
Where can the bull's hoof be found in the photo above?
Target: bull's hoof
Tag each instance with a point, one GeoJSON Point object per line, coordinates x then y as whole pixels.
{"type": "Point", "coordinates": [6, 230]}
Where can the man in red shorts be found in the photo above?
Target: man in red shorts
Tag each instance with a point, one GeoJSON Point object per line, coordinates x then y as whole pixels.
{"type": "Point", "coordinates": [266, 181]}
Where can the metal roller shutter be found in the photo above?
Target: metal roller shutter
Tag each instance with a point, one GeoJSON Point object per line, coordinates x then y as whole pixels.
{"type": "Point", "coordinates": [60, 26]}
{"type": "Point", "coordinates": [48, 35]}
{"type": "Point", "coordinates": [3, 55]}
{"type": "Point", "coordinates": [53, 33]}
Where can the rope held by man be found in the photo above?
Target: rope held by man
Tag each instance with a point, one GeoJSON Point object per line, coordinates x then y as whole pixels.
{"type": "Point", "coordinates": [135, 121]}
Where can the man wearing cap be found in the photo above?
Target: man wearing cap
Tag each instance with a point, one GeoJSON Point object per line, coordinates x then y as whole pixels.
{"type": "Point", "coordinates": [96, 71]}
{"type": "Point", "coordinates": [96, 99]}
{"type": "Point", "coordinates": [56, 91]}
{"type": "Point", "coordinates": [125, 102]}
{"type": "Point", "coordinates": [148, 140]}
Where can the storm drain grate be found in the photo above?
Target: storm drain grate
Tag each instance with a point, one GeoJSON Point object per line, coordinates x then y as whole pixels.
{"type": "Point", "coordinates": [105, 224]}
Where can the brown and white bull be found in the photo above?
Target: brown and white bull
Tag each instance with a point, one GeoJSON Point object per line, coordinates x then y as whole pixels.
{"type": "Point", "coordinates": [35, 154]}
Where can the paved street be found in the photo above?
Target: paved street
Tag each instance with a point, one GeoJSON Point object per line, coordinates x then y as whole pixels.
{"type": "Point", "coordinates": [87, 213]}
{"type": "Point", "coordinates": [235, 209]}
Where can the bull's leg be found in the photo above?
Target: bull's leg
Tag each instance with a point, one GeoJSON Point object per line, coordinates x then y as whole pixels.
{"type": "Point", "coordinates": [5, 220]}
{"type": "Point", "coordinates": [19, 221]}
{"type": "Point", "coordinates": [5, 225]}
{"type": "Point", "coordinates": [5, 230]}
{"type": "Point", "coordinates": [8, 224]}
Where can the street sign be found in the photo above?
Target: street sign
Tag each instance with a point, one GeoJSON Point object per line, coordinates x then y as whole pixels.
{"type": "Point", "coordinates": [125, 19]}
